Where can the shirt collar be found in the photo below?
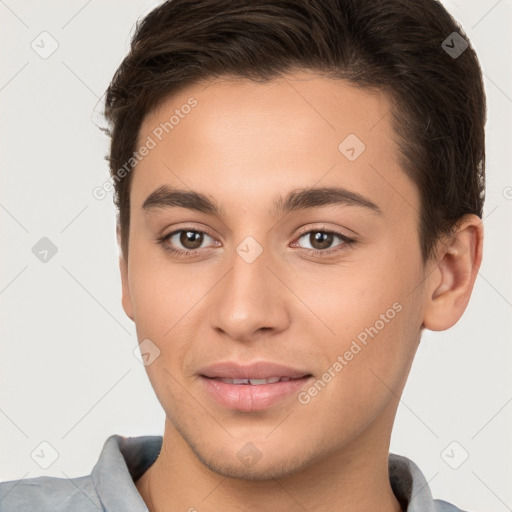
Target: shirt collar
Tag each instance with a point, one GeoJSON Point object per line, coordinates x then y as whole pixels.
{"type": "Point", "coordinates": [409, 485]}
{"type": "Point", "coordinates": [123, 460]}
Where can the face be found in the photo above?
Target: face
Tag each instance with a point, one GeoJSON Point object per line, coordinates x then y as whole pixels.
{"type": "Point", "coordinates": [263, 269]}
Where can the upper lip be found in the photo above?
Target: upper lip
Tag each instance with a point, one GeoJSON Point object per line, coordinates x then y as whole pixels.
{"type": "Point", "coordinates": [255, 370]}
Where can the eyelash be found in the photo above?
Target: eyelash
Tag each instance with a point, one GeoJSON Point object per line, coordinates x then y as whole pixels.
{"type": "Point", "coordinates": [347, 242]}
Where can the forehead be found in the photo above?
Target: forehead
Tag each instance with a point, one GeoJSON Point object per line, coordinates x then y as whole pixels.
{"type": "Point", "coordinates": [302, 102]}
{"type": "Point", "coordinates": [299, 129]}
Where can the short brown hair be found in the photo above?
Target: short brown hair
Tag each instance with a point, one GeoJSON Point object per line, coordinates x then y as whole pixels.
{"type": "Point", "coordinates": [395, 46]}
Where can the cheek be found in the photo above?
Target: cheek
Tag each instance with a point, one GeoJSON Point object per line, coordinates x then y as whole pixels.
{"type": "Point", "coordinates": [364, 365]}
{"type": "Point", "coordinates": [373, 312]}
{"type": "Point", "coordinates": [169, 305]}
{"type": "Point", "coordinates": [161, 292]}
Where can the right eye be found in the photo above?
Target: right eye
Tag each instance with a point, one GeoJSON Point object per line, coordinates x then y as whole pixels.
{"type": "Point", "coordinates": [190, 239]}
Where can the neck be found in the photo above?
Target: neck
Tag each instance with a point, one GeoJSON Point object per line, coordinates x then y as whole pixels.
{"type": "Point", "coordinates": [353, 479]}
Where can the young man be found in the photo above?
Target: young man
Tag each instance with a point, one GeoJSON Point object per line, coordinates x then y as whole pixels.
{"type": "Point", "coordinates": [300, 189]}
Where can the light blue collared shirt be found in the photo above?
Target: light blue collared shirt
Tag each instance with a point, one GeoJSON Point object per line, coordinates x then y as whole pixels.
{"type": "Point", "coordinates": [110, 486]}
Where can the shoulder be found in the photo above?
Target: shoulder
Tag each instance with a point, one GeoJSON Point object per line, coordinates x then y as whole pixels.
{"type": "Point", "coordinates": [444, 506]}
{"type": "Point", "coordinates": [45, 493]}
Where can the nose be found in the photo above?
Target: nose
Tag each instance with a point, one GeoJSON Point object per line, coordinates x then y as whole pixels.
{"type": "Point", "coordinates": [251, 301]}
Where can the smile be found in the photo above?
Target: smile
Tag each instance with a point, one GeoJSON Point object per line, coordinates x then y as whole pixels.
{"type": "Point", "coordinates": [256, 382]}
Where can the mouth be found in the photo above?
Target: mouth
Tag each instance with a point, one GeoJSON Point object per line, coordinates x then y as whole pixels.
{"type": "Point", "coordinates": [253, 387]}
{"type": "Point", "coordinates": [256, 382]}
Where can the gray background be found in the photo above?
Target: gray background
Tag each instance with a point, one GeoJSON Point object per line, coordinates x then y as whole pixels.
{"type": "Point", "coordinates": [68, 373]}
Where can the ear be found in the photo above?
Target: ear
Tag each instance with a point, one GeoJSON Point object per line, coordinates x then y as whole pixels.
{"type": "Point", "coordinates": [123, 268]}
{"type": "Point", "coordinates": [455, 267]}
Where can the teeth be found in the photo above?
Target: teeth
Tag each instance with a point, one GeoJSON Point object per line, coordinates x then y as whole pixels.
{"type": "Point", "coordinates": [255, 382]}
{"type": "Point", "coordinates": [271, 380]}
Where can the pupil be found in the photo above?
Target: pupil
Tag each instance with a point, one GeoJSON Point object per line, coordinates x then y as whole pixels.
{"type": "Point", "coordinates": [324, 240]}
{"type": "Point", "coordinates": [191, 237]}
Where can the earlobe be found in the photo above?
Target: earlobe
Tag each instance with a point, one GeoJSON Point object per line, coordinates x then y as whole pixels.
{"type": "Point", "coordinates": [451, 282]}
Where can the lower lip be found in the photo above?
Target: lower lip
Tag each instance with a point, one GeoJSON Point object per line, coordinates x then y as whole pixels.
{"type": "Point", "coordinates": [246, 397]}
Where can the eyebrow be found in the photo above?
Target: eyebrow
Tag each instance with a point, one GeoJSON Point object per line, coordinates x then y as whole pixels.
{"type": "Point", "coordinates": [301, 199]}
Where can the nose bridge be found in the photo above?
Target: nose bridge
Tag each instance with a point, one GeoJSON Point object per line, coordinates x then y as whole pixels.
{"type": "Point", "coordinates": [248, 280]}
{"type": "Point", "coordinates": [248, 298]}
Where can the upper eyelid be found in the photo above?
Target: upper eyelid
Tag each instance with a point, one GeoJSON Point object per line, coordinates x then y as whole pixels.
{"type": "Point", "coordinates": [306, 229]}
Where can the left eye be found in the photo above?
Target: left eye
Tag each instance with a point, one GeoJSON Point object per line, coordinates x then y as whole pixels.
{"type": "Point", "coordinates": [322, 240]}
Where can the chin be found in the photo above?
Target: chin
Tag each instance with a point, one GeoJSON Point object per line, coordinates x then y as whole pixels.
{"type": "Point", "coordinates": [261, 471]}
{"type": "Point", "coordinates": [251, 463]}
